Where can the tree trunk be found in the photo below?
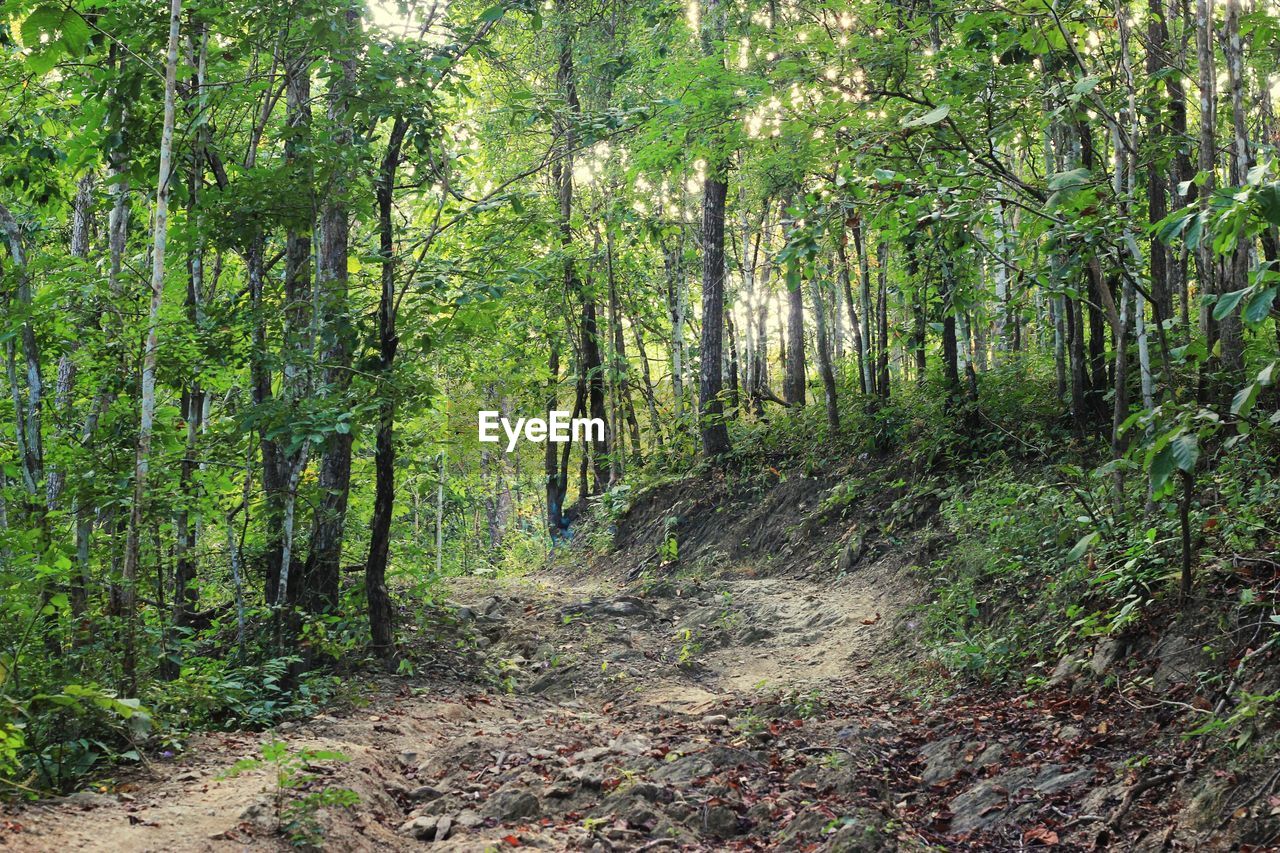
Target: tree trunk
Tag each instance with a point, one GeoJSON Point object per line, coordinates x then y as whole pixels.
{"type": "Point", "coordinates": [824, 358]}
{"type": "Point", "coordinates": [1236, 265]}
{"type": "Point", "coordinates": [321, 572]}
{"type": "Point", "coordinates": [1206, 261]}
{"type": "Point", "coordinates": [715, 435]}
{"type": "Point", "coordinates": [142, 460]}
{"type": "Point", "coordinates": [381, 616]}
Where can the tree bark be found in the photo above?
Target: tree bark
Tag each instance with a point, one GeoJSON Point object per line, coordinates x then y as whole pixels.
{"type": "Point", "coordinates": [381, 616]}
{"type": "Point", "coordinates": [321, 572]}
{"type": "Point", "coordinates": [142, 459]}
{"type": "Point", "coordinates": [715, 434]}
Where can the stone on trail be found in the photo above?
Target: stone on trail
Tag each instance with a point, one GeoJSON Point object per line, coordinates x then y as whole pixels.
{"type": "Point", "coordinates": [421, 828]}
{"type": "Point", "coordinates": [511, 803]}
{"type": "Point", "coordinates": [721, 821]}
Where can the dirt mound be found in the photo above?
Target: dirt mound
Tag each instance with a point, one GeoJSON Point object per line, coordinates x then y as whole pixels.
{"type": "Point", "coordinates": [871, 516]}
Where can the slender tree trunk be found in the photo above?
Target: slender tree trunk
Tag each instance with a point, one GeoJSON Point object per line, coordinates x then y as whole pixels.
{"type": "Point", "coordinates": [882, 339]}
{"type": "Point", "coordinates": [859, 343]}
{"type": "Point", "coordinates": [322, 569]}
{"type": "Point", "coordinates": [1230, 330]}
{"type": "Point", "coordinates": [554, 480]}
{"type": "Point", "coordinates": [381, 616]}
{"type": "Point", "coordinates": [142, 462]}
{"type": "Point", "coordinates": [1206, 262]}
{"type": "Point", "coordinates": [825, 370]}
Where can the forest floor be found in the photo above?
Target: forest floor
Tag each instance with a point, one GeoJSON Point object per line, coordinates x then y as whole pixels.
{"type": "Point", "coordinates": [728, 713]}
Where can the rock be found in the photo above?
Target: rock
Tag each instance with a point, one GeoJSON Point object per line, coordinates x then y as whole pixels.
{"type": "Point", "coordinates": [424, 792]}
{"type": "Point", "coordinates": [844, 780]}
{"type": "Point", "coordinates": [465, 614]}
{"type": "Point", "coordinates": [1180, 658]}
{"type": "Point", "coordinates": [1070, 733]}
{"type": "Point", "coordinates": [552, 679]}
{"type": "Point", "coordinates": [754, 634]}
{"type": "Point", "coordinates": [1052, 779]}
{"type": "Point", "coordinates": [686, 768]}
{"type": "Point", "coordinates": [715, 720]}
{"type": "Point", "coordinates": [561, 789]}
{"type": "Point", "coordinates": [468, 819]}
{"type": "Point", "coordinates": [633, 804]}
{"type": "Point", "coordinates": [852, 554]}
{"type": "Point", "coordinates": [863, 832]}
{"type": "Point", "coordinates": [811, 823]}
{"type": "Point", "coordinates": [697, 618]}
{"type": "Point", "coordinates": [260, 813]}
{"type": "Point", "coordinates": [631, 743]}
{"type": "Point", "coordinates": [586, 756]}
{"type": "Point", "coordinates": [986, 803]}
{"type": "Point", "coordinates": [947, 757]}
{"type": "Point", "coordinates": [1104, 656]}
{"type": "Point", "coordinates": [483, 642]}
{"type": "Point", "coordinates": [1065, 671]}
{"type": "Point", "coordinates": [721, 821]}
{"type": "Point", "coordinates": [421, 828]}
{"type": "Point", "coordinates": [511, 803]}
{"type": "Point", "coordinates": [443, 828]}
{"type": "Point", "coordinates": [625, 606]}
{"type": "Point", "coordinates": [90, 799]}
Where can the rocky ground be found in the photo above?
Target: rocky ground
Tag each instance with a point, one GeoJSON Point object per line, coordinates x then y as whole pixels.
{"type": "Point", "coordinates": [735, 713]}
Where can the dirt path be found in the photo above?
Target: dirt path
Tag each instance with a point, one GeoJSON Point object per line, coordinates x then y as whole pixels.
{"type": "Point", "coordinates": [732, 714]}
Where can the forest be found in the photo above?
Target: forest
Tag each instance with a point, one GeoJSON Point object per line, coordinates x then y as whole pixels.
{"type": "Point", "coordinates": [937, 339]}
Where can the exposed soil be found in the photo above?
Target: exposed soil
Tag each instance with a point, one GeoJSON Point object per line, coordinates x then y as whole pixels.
{"type": "Point", "coordinates": [749, 710]}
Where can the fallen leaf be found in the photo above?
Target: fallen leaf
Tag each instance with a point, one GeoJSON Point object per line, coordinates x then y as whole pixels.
{"type": "Point", "coordinates": [1042, 835]}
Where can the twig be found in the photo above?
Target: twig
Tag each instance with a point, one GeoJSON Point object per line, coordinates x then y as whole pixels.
{"type": "Point", "coordinates": [1135, 791]}
{"type": "Point", "coordinates": [1257, 795]}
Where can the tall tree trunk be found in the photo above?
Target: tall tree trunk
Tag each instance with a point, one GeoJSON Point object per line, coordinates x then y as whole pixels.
{"type": "Point", "coordinates": [859, 343]}
{"type": "Point", "coordinates": [867, 332]}
{"type": "Point", "coordinates": [882, 339]}
{"type": "Point", "coordinates": [142, 461]}
{"type": "Point", "coordinates": [715, 434]}
{"type": "Point", "coordinates": [381, 617]}
{"type": "Point", "coordinates": [321, 573]}
{"type": "Point", "coordinates": [1206, 262]}
{"type": "Point", "coordinates": [824, 357]}
{"type": "Point", "coordinates": [1236, 265]}
{"type": "Point", "coordinates": [553, 479]}
{"type": "Point", "coordinates": [185, 591]}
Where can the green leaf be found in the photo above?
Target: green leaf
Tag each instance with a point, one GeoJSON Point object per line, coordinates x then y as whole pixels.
{"type": "Point", "coordinates": [1227, 303]}
{"type": "Point", "coordinates": [493, 13]}
{"type": "Point", "coordinates": [1082, 546]}
{"type": "Point", "coordinates": [1258, 308]}
{"type": "Point", "coordinates": [934, 116]}
{"type": "Point", "coordinates": [1162, 465]}
{"type": "Point", "coordinates": [1242, 402]}
{"type": "Point", "coordinates": [1073, 179]}
{"type": "Point", "coordinates": [1268, 198]}
{"type": "Point", "coordinates": [1085, 85]}
{"type": "Point", "coordinates": [1186, 451]}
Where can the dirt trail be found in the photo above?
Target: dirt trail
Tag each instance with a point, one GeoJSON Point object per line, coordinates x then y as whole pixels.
{"type": "Point", "coordinates": [739, 713]}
